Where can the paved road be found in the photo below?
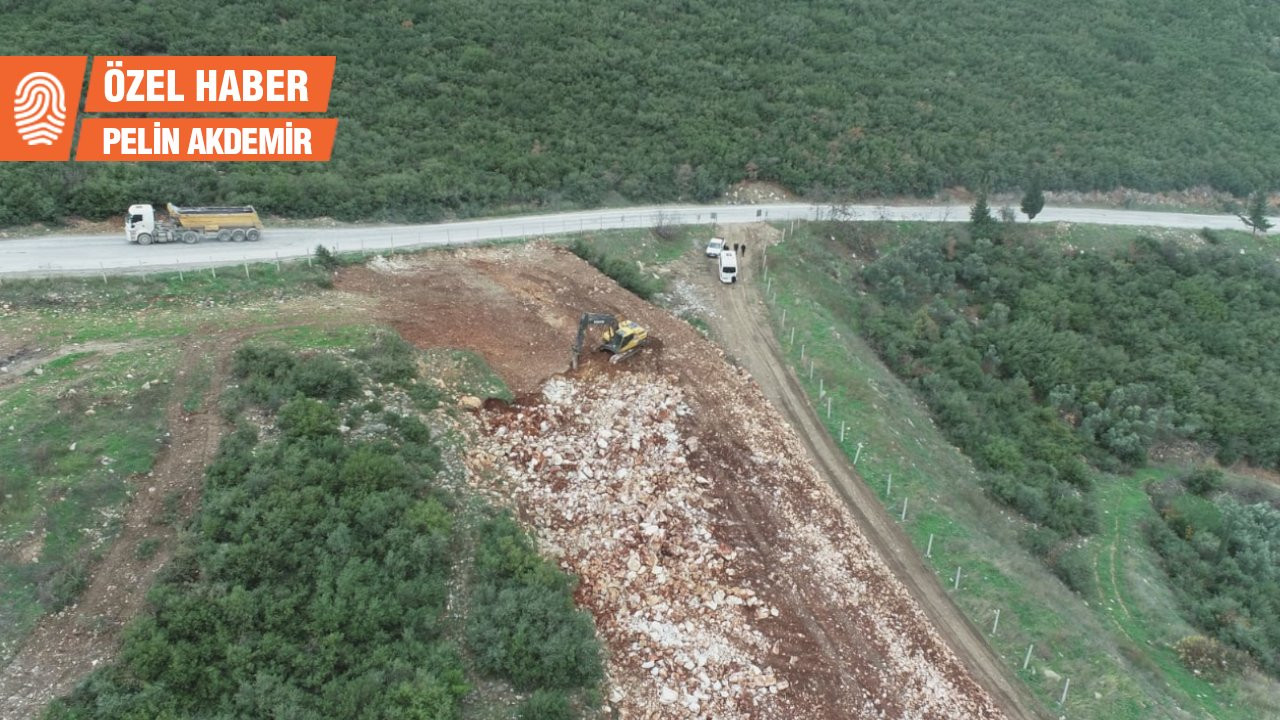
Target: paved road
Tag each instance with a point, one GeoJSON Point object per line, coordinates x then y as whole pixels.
{"type": "Point", "coordinates": [87, 254]}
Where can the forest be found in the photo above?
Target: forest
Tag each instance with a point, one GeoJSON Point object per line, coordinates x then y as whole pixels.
{"type": "Point", "coordinates": [315, 580]}
{"type": "Point", "coordinates": [1052, 366]}
{"type": "Point", "coordinates": [451, 108]}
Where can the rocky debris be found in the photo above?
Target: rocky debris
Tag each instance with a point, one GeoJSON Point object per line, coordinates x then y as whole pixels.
{"type": "Point", "coordinates": [602, 472]}
{"type": "Point", "coordinates": [470, 402]}
{"type": "Point", "coordinates": [607, 471]}
{"type": "Point", "coordinates": [388, 265]}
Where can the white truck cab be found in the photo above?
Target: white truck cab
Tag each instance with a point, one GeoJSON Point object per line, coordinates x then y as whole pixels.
{"type": "Point", "coordinates": [714, 247]}
{"type": "Point", "coordinates": [728, 266]}
{"type": "Point", "coordinates": [140, 219]}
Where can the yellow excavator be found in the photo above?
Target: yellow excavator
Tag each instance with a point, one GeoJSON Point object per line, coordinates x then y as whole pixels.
{"type": "Point", "coordinates": [623, 338]}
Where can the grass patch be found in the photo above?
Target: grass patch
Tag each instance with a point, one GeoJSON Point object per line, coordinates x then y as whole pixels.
{"type": "Point", "coordinates": [1121, 666]}
{"type": "Point", "coordinates": [225, 284]}
{"type": "Point", "coordinates": [463, 372]}
{"type": "Point", "coordinates": [79, 430]}
{"type": "Point", "coordinates": [635, 258]}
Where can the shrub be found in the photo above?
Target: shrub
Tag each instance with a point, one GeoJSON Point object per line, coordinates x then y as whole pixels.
{"type": "Point", "coordinates": [1206, 656]}
{"type": "Point", "coordinates": [324, 377]}
{"type": "Point", "coordinates": [306, 419]}
{"type": "Point", "coordinates": [390, 358]}
{"type": "Point", "coordinates": [268, 361]}
{"type": "Point", "coordinates": [546, 705]}
{"type": "Point", "coordinates": [1075, 568]}
{"type": "Point", "coordinates": [1204, 481]}
{"type": "Point", "coordinates": [523, 627]}
{"type": "Point", "coordinates": [624, 272]}
{"type": "Point", "coordinates": [326, 259]}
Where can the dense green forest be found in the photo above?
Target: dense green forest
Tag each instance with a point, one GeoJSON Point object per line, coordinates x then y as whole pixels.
{"type": "Point", "coordinates": [452, 108]}
{"type": "Point", "coordinates": [1045, 363]}
{"type": "Point", "coordinates": [316, 579]}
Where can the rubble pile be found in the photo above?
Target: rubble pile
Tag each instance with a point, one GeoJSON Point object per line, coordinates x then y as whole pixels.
{"type": "Point", "coordinates": [601, 470]}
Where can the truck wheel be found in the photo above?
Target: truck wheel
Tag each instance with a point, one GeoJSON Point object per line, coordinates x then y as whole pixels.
{"type": "Point", "coordinates": [224, 235]}
{"type": "Point", "coordinates": [190, 237]}
{"type": "Point", "coordinates": [237, 236]}
{"type": "Point", "coordinates": [252, 235]}
{"type": "Point", "coordinates": [144, 238]}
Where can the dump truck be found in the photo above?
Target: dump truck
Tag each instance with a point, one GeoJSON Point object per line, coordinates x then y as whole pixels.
{"type": "Point", "coordinates": [192, 224]}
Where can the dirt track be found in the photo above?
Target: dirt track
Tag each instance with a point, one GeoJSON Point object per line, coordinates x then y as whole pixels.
{"type": "Point", "coordinates": [743, 326]}
{"type": "Point", "coordinates": [848, 639]}
{"type": "Point", "coordinates": [64, 647]}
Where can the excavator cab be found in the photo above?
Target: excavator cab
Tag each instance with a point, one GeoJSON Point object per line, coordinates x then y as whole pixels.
{"type": "Point", "coordinates": [622, 338]}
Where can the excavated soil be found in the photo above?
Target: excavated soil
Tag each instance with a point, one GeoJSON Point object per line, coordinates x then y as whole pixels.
{"type": "Point", "coordinates": [727, 577]}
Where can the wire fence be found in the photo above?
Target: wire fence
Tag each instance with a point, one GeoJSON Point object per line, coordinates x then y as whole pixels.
{"type": "Point", "coordinates": [906, 497]}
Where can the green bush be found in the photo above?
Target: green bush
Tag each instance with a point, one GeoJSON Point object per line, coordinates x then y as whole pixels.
{"type": "Point", "coordinates": [523, 627]}
{"type": "Point", "coordinates": [324, 377]}
{"type": "Point", "coordinates": [624, 272]}
{"type": "Point", "coordinates": [1074, 567]}
{"type": "Point", "coordinates": [546, 705]}
{"type": "Point", "coordinates": [390, 358]}
{"type": "Point", "coordinates": [315, 583]}
{"type": "Point", "coordinates": [305, 419]}
{"type": "Point", "coordinates": [1220, 557]}
{"type": "Point", "coordinates": [325, 258]}
{"type": "Point", "coordinates": [1204, 481]}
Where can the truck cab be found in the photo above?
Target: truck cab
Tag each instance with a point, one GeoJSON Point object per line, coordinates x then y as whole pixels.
{"type": "Point", "coordinates": [728, 266]}
{"type": "Point", "coordinates": [141, 219]}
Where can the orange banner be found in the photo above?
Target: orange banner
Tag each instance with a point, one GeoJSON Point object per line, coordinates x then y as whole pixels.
{"type": "Point", "coordinates": [213, 83]}
{"type": "Point", "coordinates": [39, 97]}
{"type": "Point", "coordinates": [206, 139]}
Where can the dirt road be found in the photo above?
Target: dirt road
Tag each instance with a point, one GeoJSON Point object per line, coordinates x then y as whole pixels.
{"type": "Point", "coordinates": [65, 647]}
{"type": "Point", "coordinates": [742, 325]}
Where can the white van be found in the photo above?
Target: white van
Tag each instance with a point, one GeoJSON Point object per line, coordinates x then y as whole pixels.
{"type": "Point", "coordinates": [728, 266]}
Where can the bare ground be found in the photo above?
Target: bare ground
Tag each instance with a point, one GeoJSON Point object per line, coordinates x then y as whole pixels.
{"type": "Point", "coordinates": [849, 639]}
{"type": "Point", "coordinates": [743, 326]}
{"type": "Point", "coordinates": [64, 647]}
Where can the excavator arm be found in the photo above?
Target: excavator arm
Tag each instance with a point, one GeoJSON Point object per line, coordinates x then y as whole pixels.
{"type": "Point", "coordinates": [589, 319]}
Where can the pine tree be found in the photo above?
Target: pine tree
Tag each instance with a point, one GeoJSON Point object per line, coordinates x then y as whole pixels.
{"type": "Point", "coordinates": [1033, 200]}
{"type": "Point", "coordinates": [1257, 217]}
{"type": "Point", "coordinates": [981, 223]}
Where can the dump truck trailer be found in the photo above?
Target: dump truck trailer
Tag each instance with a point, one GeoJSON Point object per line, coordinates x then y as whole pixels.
{"type": "Point", "coordinates": [192, 224]}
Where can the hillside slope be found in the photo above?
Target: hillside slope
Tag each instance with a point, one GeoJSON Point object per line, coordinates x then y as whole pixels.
{"type": "Point", "coordinates": [451, 107]}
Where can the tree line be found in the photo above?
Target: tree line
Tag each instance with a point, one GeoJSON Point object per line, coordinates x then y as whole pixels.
{"type": "Point", "coordinates": [456, 108]}
{"type": "Point", "coordinates": [1044, 363]}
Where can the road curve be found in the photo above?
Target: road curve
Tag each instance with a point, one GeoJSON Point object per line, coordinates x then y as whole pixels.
{"type": "Point", "coordinates": [52, 255]}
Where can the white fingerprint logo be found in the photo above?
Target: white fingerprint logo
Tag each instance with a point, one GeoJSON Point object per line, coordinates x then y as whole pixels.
{"type": "Point", "coordinates": [40, 108]}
